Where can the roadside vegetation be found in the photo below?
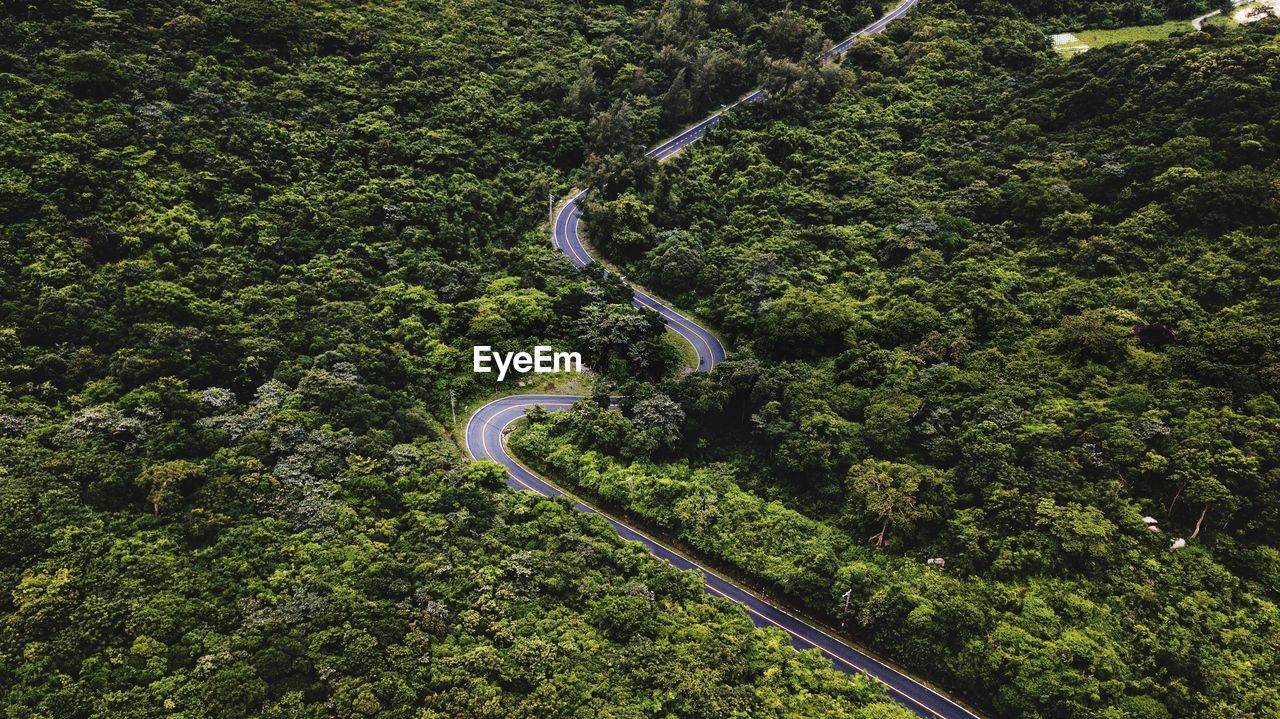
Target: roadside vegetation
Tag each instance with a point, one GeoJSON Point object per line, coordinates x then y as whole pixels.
{"type": "Point", "coordinates": [996, 309]}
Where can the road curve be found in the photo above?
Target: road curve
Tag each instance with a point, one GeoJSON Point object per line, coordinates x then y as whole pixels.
{"type": "Point", "coordinates": [1198, 22]}
{"type": "Point", "coordinates": [567, 237]}
{"type": "Point", "coordinates": [488, 425]}
{"type": "Point", "coordinates": [484, 440]}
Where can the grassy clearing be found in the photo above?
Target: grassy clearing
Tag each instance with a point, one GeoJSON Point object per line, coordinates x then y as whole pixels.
{"type": "Point", "coordinates": [1098, 38]}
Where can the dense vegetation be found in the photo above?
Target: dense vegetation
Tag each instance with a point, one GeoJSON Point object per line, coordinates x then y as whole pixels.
{"type": "Point", "coordinates": [990, 307]}
{"type": "Point", "coordinates": [246, 248]}
{"type": "Point", "coordinates": [1075, 14]}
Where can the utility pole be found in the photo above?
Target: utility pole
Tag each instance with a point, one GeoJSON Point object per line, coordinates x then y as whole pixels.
{"type": "Point", "coordinates": [844, 617]}
{"type": "Point", "coordinates": [551, 208]}
{"type": "Point", "coordinates": [453, 407]}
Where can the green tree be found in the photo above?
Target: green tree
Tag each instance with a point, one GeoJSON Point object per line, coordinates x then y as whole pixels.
{"type": "Point", "coordinates": [164, 482]}
{"type": "Point", "coordinates": [886, 491]}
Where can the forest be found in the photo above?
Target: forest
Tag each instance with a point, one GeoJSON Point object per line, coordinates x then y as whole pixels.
{"type": "Point", "coordinates": [1003, 362]}
{"type": "Point", "coordinates": [246, 249]}
{"type": "Point", "coordinates": [986, 306]}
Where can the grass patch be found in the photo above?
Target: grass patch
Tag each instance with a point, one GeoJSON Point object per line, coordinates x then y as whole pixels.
{"type": "Point", "coordinates": [688, 357]}
{"type": "Point", "coordinates": [1098, 38]}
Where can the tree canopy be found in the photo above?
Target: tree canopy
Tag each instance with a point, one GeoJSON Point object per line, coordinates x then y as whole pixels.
{"type": "Point", "coordinates": [245, 249]}
{"type": "Point", "coordinates": [1002, 361]}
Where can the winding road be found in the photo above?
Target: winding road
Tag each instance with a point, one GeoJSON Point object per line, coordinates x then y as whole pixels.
{"type": "Point", "coordinates": [567, 238]}
{"type": "Point", "coordinates": [489, 424]}
{"type": "Point", "coordinates": [1198, 23]}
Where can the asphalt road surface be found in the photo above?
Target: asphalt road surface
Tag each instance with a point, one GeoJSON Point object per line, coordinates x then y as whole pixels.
{"type": "Point", "coordinates": [488, 425]}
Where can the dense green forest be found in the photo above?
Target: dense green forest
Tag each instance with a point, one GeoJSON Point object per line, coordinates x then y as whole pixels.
{"type": "Point", "coordinates": [987, 306]}
{"type": "Point", "coordinates": [993, 308]}
{"type": "Point", "coordinates": [246, 248]}
{"type": "Point", "coordinates": [1075, 14]}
